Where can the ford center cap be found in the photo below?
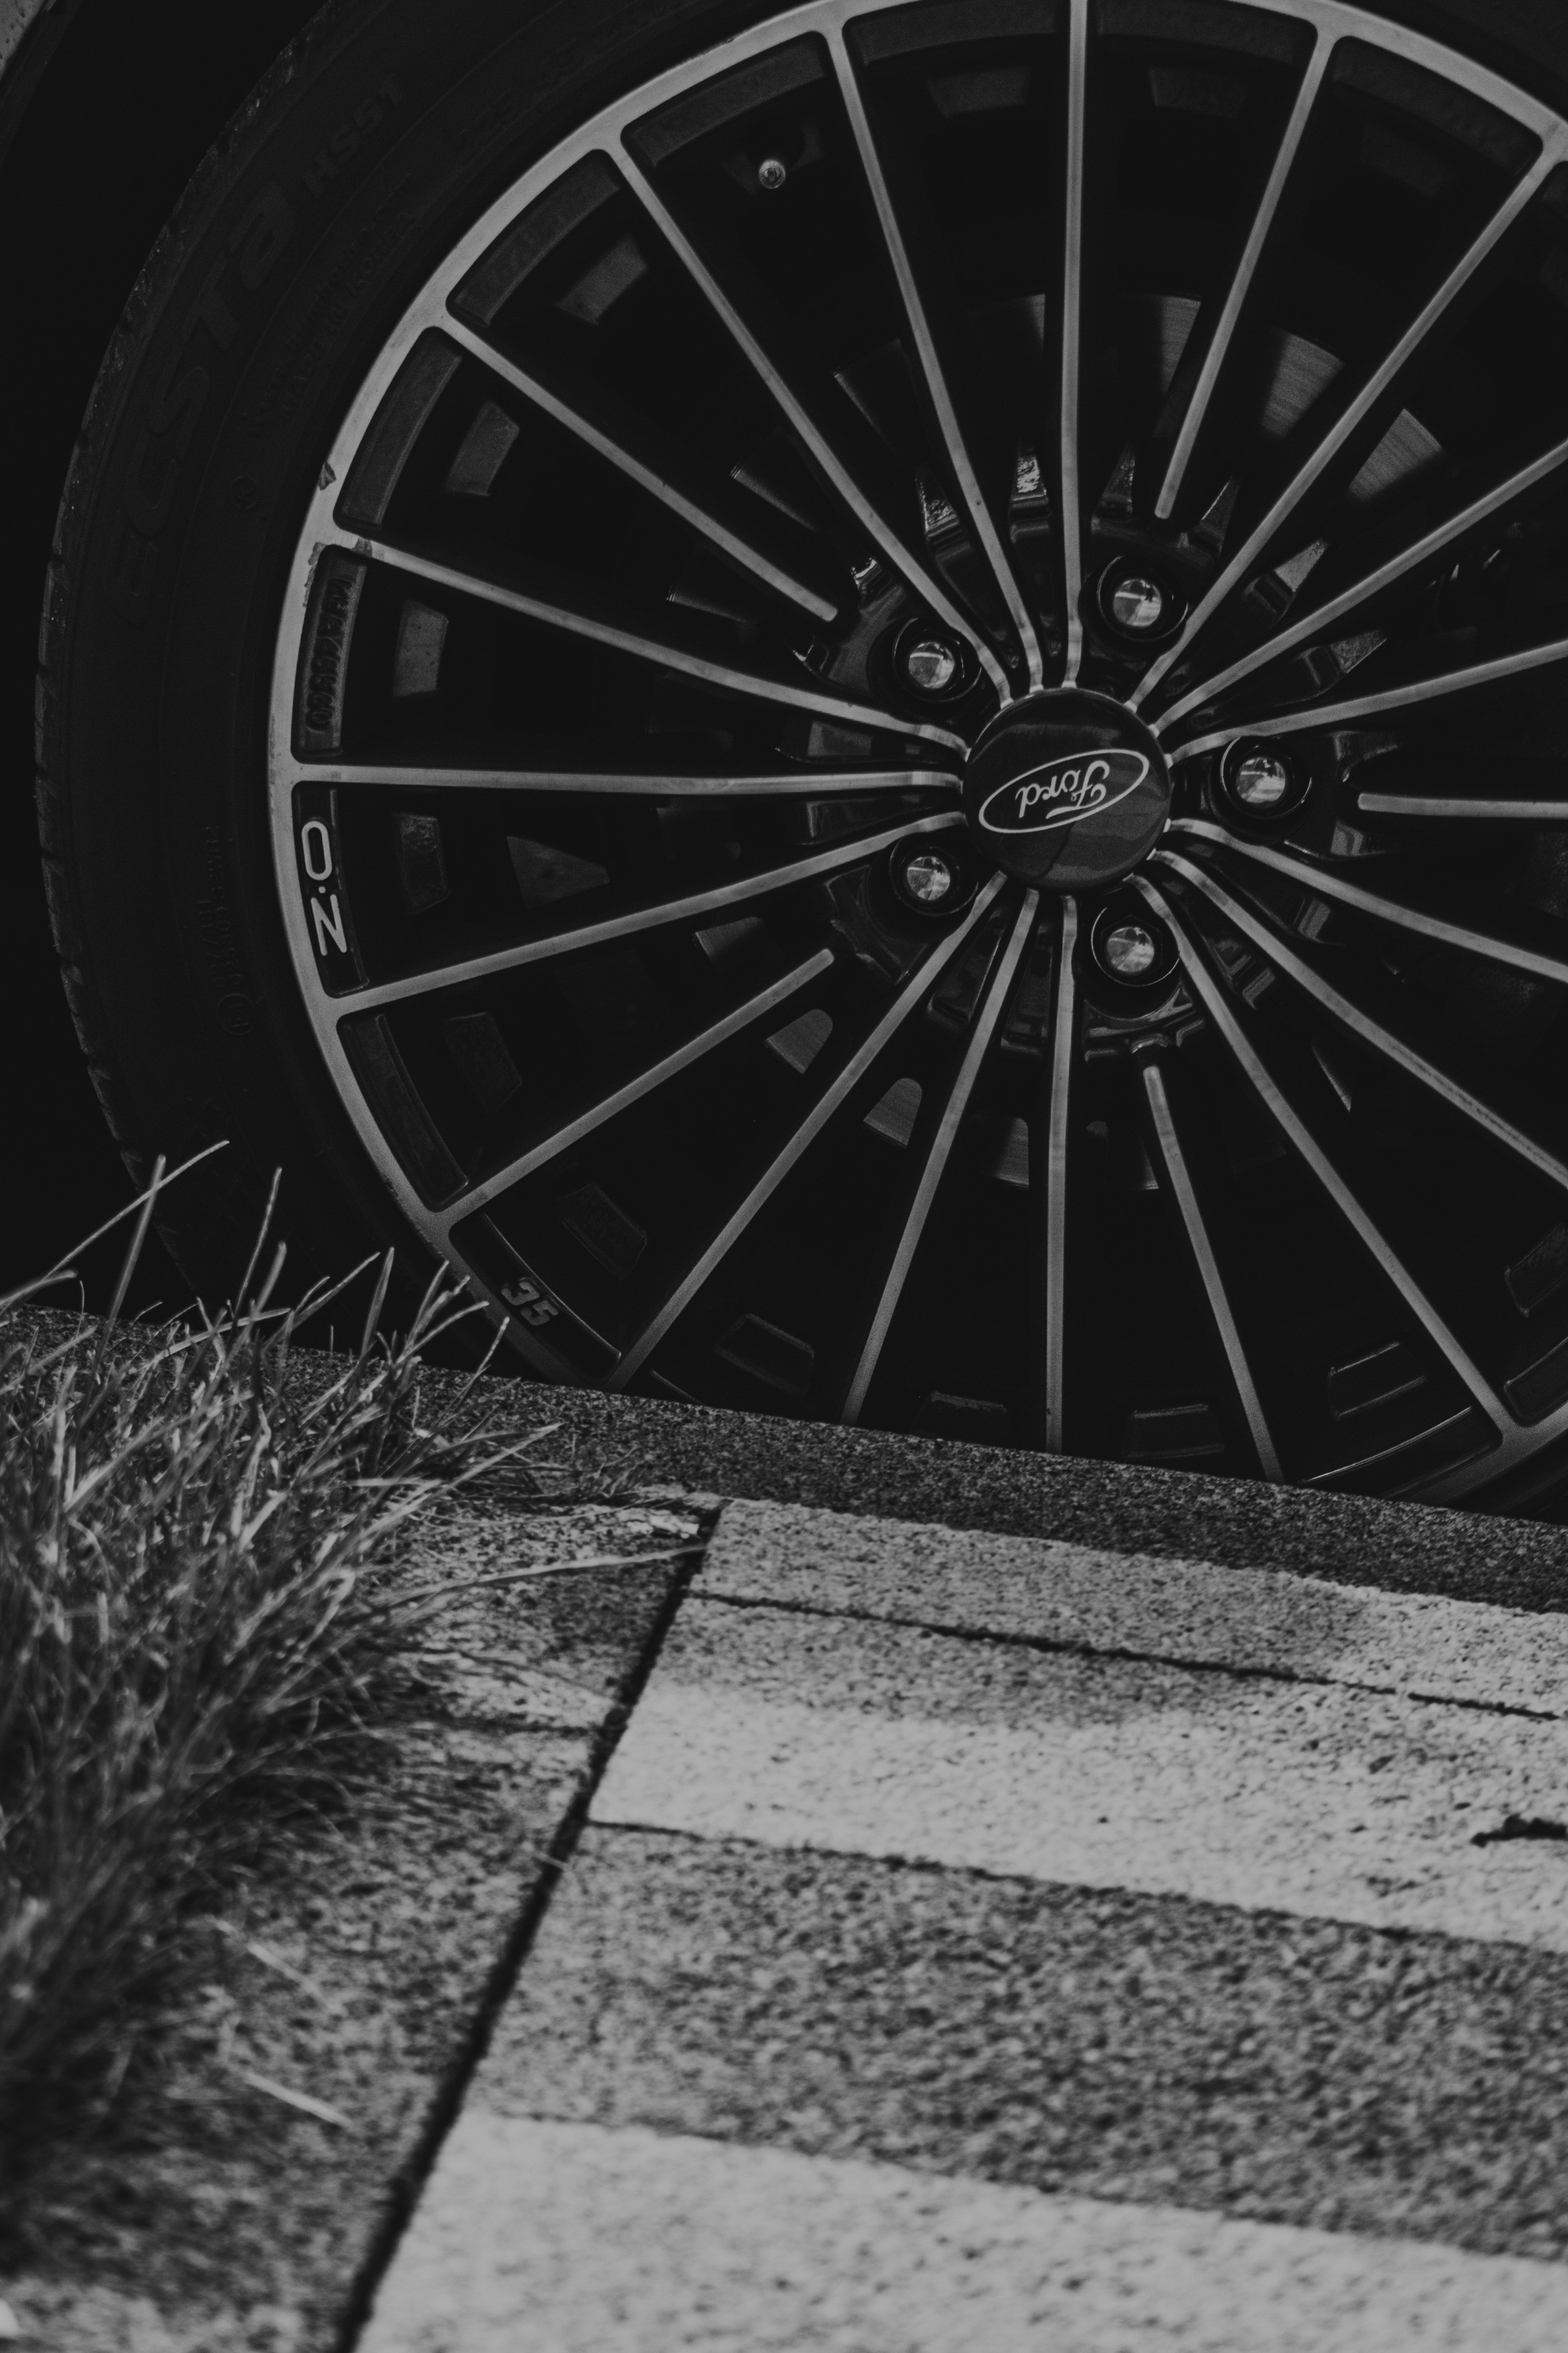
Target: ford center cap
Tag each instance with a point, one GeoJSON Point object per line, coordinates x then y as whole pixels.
{"type": "Point", "coordinates": [1066, 790]}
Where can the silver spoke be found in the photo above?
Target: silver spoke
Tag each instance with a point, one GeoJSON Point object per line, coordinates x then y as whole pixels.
{"type": "Point", "coordinates": [1178, 1178]}
{"type": "Point", "coordinates": [1463, 808]}
{"type": "Point", "coordinates": [634, 919]}
{"type": "Point", "coordinates": [647, 1083]}
{"type": "Point", "coordinates": [606, 627]}
{"type": "Point", "coordinates": [1305, 1144]}
{"type": "Point", "coordinates": [1246, 559]}
{"type": "Point", "coordinates": [1426, 921]}
{"type": "Point", "coordinates": [974, 508]}
{"type": "Point", "coordinates": [1063, 1024]}
{"type": "Point", "coordinates": [884, 534]}
{"type": "Point", "coordinates": [1390, 697]}
{"type": "Point", "coordinates": [937, 1158]}
{"type": "Point", "coordinates": [1420, 551]}
{"type": "Point", "coordinates": [910, 998]}
{"type": "Point", "coordinates": [1362, 1023]}
{"type": "Point", "coordinates": [1226, 325]}
{"type": "Point", "coordinates": [628, 447]}
{"type": "Point", "coordinates": [1072, 339]}
{"type": "Point", "coordinates": [791, 784]}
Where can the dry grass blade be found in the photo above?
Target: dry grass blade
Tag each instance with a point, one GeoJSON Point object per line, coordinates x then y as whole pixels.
{"type": "Point", "coordinates": [195, 1552]}
{"type": "Point", "coordinates": [445, 1592]}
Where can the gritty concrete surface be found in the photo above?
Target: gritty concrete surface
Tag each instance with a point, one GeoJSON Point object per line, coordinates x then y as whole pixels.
{"type": "Point", "coordinates": [939, 1863]}
{"type": "Point", "coordinates": [1040, 1590]}
{"type": "Point", "coordinates": [859, 1736]}
{"type": "Point", "coordinates": [1115, 1507]}
{"type": "Point", "coordinates": [15, 16]}
{"type": "Point", "coordinates": [102, 2319]}
{"type": "Point", "coordinates": [594, 2242]}
{"type": "Point", "coordinates": [1140, 2049]}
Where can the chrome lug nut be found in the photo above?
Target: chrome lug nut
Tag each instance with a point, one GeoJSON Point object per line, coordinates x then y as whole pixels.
{"type": "Point", "coordinates": [1131, 948]}
{"type": "Point", "coordinates": [1137, 604]}
{"type": "Point", "coordinates": [929, 877]}
{"type": "Point", "coordinates": [1129, 952]}
{"type": "Point", "coordinates": [772, 174]}
{"type": "Point", "coordinates": [930, 664]}
{"type": "Point", "coordinates": [1260, 780]}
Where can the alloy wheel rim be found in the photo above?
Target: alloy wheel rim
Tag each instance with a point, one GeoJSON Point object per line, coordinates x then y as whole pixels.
{"type": "Point", "coordinates": [912, 556]}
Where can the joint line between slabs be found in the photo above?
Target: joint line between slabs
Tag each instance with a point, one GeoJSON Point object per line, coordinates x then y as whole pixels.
{"type": "Point", "coordinates": [1067, 1646]}
{"type": "Point", "coordinates": [407, 2190]}
{"type": "Point", "coordinates": [931, 1867]}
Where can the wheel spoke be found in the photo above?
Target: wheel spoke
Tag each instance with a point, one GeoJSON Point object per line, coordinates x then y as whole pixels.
{"type": "Point", "coordinates": [816, 436]}
{"type": "Point", "coordinates": [1071, 339]}
{"type": "Point", "coordinates": [1428, 922]}
{"type": "Point", "coordinates": [1064, 1020]}
{"type": "Point", "coordinates": [1312, 1156]}
{"type": "Point", "coordinates": [910, 998]}
{"type": "Point", "coordinates": [653, 917]}
{"type": "Point", "coordinates": [647, 1083]}
{"type": "Point", "coordinates": [1350, 422]}
{"type": "Point", "coordinates": [583, 614]}
{"type": "Point", "coordinates": [642, 783]}
{"type": "Point", "coordinates": [1220, 342]}
{"type": "Point", "coordinates": [974, 505]}
{"type": "Point", "coordinates": [1371, 1032]}
{"type": "Point", "coordinates": [1495, 672]}
{"type": "Point", "coordinates": [1420, 551]}
{"type": "Point", "coordinates": [937, 1158]}
{"type": "Point", "coordinates": [1179, 1182]}
{"type": "Point", "coordinates": [749, 539]}
{"type": "Point", "coordinates": [1465, 807]}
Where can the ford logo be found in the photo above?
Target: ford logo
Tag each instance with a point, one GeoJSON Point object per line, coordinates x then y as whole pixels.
{"type": "Point", "coordinates": [1062, 792]}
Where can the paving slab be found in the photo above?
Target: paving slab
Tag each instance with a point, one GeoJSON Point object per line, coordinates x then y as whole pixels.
{"type": "Point", "coordinates": [578, 2240]}
{"type": "Point", "coordinates": [859, 1736]}
{"type": "Point", "coordinates": [1156, 1895]}
{"type": "Point", "coordinates": [1045, 1591]}
{"type": "Point", "coordinates": [1137, 2048]}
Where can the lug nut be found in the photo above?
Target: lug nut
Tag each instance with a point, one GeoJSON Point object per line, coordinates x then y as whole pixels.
{"type": "Point", "coordinates": [1137, 604]}
{"type": "Point", "coordinates": [1131, 948]}
{"type": "Point", "coordinates": [772, 174]}
{"type": "Point", "coordinates": [929, 877]}
{"type": "Point", "coordinates": [1129, 952]}
{"type": "Point", "coordinates": [930, 664]}
{"type": "Point", "coordinates": [1260, 780]}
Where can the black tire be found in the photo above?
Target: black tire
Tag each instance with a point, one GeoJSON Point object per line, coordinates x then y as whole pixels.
{"type": "Point", "coordinates": [157, 866]}
{"type": "Point", "coordinates": [378, 140]}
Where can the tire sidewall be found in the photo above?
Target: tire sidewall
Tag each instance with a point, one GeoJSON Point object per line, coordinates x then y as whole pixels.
{"type": "Point", "coordinates": [373, 146]}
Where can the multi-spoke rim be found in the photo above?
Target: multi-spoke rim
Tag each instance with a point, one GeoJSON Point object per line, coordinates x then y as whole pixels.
{"type": "Point", "coordinates": [605, 847]}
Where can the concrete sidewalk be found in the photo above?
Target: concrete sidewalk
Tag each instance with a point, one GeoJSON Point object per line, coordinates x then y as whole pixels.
{"type": "Point", "coordinates": [983, 1939]}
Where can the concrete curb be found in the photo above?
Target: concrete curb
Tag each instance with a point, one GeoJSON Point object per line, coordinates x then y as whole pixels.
{"type": "Point", "coordinates": [1116, 1507]}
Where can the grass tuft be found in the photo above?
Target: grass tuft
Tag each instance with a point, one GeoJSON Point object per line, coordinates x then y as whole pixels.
{"type": "Point", "coordinates": [200, 1539]}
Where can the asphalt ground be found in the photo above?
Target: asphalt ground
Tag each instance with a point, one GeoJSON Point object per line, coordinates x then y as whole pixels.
{"type": "Point", "coordinates": [986, 1940]}
{"type": "Point", "coordinates": [1115, 1507]}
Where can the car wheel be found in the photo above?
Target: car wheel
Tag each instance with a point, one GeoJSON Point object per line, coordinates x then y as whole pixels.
{"type": "Point", "coordinates": [868, 706]}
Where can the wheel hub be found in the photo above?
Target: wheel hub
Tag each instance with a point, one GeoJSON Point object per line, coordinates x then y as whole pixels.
{"type": "Point", "coordinates": [1067, 791]}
